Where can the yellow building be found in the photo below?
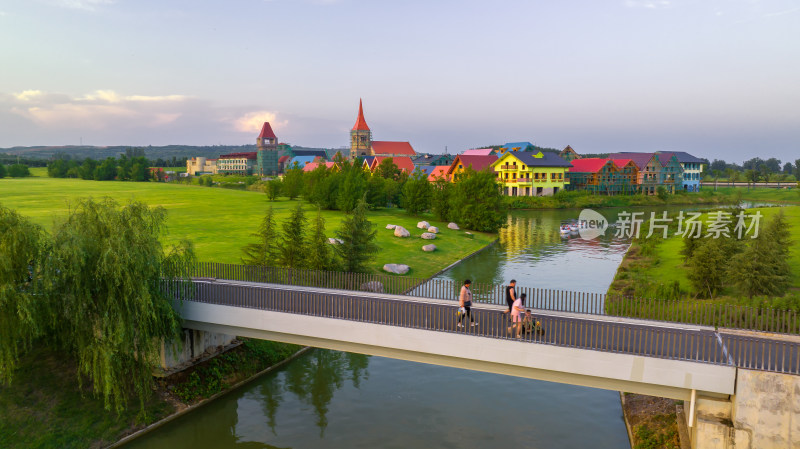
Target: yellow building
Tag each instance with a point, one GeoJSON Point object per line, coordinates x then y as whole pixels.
{"type": "Point", "coordinates": [531, 174]}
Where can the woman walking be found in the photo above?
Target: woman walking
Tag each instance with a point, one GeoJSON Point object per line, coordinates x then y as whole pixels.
{"type": "Point", "coordinates": [465, 303]}
{"type": "Point", "coordinates": [517, 312]}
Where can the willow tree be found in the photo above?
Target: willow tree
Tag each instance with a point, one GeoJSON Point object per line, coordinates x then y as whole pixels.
{"type": "Point", "coordinates": [21, 309]}
{"type": "Point", "coordinates": [104, 273]}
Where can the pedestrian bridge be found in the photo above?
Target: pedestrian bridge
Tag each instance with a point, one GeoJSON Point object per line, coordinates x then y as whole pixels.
{"type": "Point", "coordinates": [660, 359]}
{"type": "Point", "coordinates": [739, 389]}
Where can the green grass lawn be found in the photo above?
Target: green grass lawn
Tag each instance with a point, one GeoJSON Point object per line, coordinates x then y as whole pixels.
{"type": "Point", "coordinates": [220, 221]}
{"type": "Point", "coordinates": [666, 265]}
{"type": "Point", "coordinates": [761, 195]}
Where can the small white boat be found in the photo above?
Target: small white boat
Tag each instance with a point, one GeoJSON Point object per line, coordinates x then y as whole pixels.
{"type": "Point", "coordinates": [564, 230]}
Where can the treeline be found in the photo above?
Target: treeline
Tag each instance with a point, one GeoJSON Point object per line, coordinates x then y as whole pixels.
{"type": "Point", "coordinates": [755, 170]}
{"type": "Point", "coordinates": [474, 200]}
{"type": "Point", "coordinates": [123, 169]}
{"type": "Point", "coordinates": [91, 290]}
{"type": "Point", "coordinates": [754, 267]}
{"type": "Point", "coordinates": [10, 159]}
{"type": "Point", "coordinates": [14, 171]}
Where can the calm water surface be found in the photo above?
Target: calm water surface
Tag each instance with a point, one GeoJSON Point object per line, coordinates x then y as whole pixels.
{"type": "Point", "coordinates": [332, 399]}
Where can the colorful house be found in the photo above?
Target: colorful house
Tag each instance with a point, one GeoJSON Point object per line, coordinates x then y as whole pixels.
{"type": "Point", "coordinates": [531, 174]}
{"type": "Point", "coordinates": [313, 165]}
{"type": "Point", "coordinates": [568, 154]}
{"type": "Point", "coordinates": [238, 163]}
{"type": "Point", "coordinates": [433, 159]}
{"type": "Point", "coordinates": [671, 176]}
{"type": "Point", "coordinates": [404, 163]}
{"type": "Point", "coordinates": [603, 176]}
{"type": "Point", "coordinates": [461, 162]}
{"type": "Point", "coordinates": [655, 169]}
{"type": "Point", "coordinates": [516, 147]}
{"type": "Point", "coordinates": [479, 152]}
{"type": "Point", "coordinates": [439, 172]}
{"type": "Point", "coordinates": [692, 170]}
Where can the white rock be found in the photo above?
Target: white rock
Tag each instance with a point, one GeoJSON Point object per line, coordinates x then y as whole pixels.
{"type": "Point", "coordinates": [423, 225]}
{"type": "Point", "coordinates": [433, 229]}
{"type": "Point", "coordinates": [396, 268]}
{"type": "Point", "coordinates": [429, 248]}
{"type": "Point", "coordinates": [373, 286]}
{"type": "Point", "coordinates": [332, 241]}
{"type": "Point", "coordinates": [468, 233]}
{"type": "Point", "coordinates": [400, 231]}
{"type": "Point", "coordinates": [390, 226]}
{"type": "Point", "coordinates": [452, 226]}
{"type": "Point", "coordinates": [428, 235]}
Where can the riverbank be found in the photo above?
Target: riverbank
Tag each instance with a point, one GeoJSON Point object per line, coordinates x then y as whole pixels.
{"type": "Point", "coordinates": [651, 421]}
{"type": "Point", "coordinates": [583, 199]}
{"type": "Point", "coordinates": [44, 407]}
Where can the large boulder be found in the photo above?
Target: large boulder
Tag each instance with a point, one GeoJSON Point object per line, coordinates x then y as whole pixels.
{"type": "Point", "coordinates": [373, 286]}
{"type": "Point", "coordinates": [400, 231]}
{"type": "Point", "coordinates": [429, 248]}
{"type": "Point", "coordinates": [396, 268]}
{"type": "Point", "coordinates": [390, 226]}
{"type": "Point", "coordinates": [428, 235]}
{"type": "Point", "coordinates": [433, 229]}
{"type": "Point", "coordinates": [423, 225]}
{"type": "Point", "coordinates": [452, 226]}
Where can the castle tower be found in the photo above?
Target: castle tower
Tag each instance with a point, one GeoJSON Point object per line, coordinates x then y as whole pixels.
{"type": "Point", "coordinates": [360, 136]}
{"type": "Point", "coordinates": [267, 143]}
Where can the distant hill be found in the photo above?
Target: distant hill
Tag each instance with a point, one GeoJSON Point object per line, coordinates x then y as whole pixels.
{"type": "Point", "coordinates": [151, 152]}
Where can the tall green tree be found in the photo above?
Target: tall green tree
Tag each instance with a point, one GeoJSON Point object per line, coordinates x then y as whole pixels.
{"type": "Point", "coordinates": [358, 236]}
{"type": "Point", "coordinates": [273, 188]}
{"type": "Point", "coordinates": [477, 203]}
{"type": "Point", "coordinates": [293, 182]}
{"type": "Point", "coordinates": [763, 267]}
{"type": "Point", "coordinates": [440, 199]}
{"type": "Point", "coordinates": [2, 170]}
{"type": "Point", "coordinates": [293, 246]}
{"type": "Point", "coordinates": [21, 311]}
{"type": "Point", "coordinates": [376, 192]}
{"type": "Point", "coordinates": [320, 257]}
{"type": "Point", "coordinates": [417, 193]}
{"type": "Point", "coordinates": [18, 171]}
{"type": "Point", "coordinates": [265, 251]}
{"type": "Point", "coordinates": [352, 188]}
{"type": "Point", "coordinates": [104, 281]}
{"type": "Point", "coordinates": [387, 169]}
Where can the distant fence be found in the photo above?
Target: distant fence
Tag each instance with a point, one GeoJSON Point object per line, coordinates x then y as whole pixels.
{"type": "Point", "coordinates": [756, 185]}
{"type": "Point", "coordinates": [688, 312]}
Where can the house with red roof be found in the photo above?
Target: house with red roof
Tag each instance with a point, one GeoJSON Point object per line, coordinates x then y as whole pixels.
{"type": "Point", "coordinates": [404, 163]}
{"type": "Point", "coordinates": [313, 166]}
{"type": "Point", "coordinates": [439, 172]}
{"type": "Point", "coordinates": [602, 176]}
{"type": "Point", "coordinates": [237, 163]}
{"type": "Point", "coordinates": [462, 162]}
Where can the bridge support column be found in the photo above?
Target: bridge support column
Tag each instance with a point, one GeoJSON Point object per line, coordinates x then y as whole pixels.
{"type": "Point", "coordinates": [711, 425]}
{"type": "Point", "coordinates": [196, 345]}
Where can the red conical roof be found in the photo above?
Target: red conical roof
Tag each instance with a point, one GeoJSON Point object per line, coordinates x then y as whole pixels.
{"type": "Point", "coordinates": [361, 124]}
{"type": "Point", "coordinates": [266, 132]}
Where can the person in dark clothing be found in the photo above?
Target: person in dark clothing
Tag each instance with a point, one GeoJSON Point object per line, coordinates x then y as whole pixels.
{"type": "Point", "coordinates": [511, 294]}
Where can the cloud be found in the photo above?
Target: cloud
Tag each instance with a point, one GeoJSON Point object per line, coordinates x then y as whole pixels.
{"type": "Point", "coordinates": [85, 5]}
{"type": "Point", "coordinates": [97, 110]}
{"type": "Point", "coordinates": [252, 122]}
{"type": "Point", "coordinates": [649, 4]}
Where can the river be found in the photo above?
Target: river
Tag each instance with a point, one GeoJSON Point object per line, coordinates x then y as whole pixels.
{"type": "Point", "coordinates": [338, 400]}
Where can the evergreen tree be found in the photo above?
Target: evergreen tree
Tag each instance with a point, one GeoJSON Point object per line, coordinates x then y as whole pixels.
{"type": "Point", "coordinates": [417, 193]}
{"type": "Point", "coordinates": [763, 267]}
{"type": "Point", "coordinates": [293, 182]}
{"type": "Point", "coordinates": [477, 203]}
{"type": "Point", "coordinates": [689, 245]}
{"type": "Point", "coordinates": [293, 247]}
{"type": "Point", "coordinates": [358, 236]}
{"type": "Point", "coordinates": [2, 170]}
{"type": "Point", "coordinates": [440, 199]}
{"type": "Point", "coordinates": [352, 188]}
{"type": "Point", "coordinates": [320, 251]}
{"type": "Point", "coordinates": [265, 252]}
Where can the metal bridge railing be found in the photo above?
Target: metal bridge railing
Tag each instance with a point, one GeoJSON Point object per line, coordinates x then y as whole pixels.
{"type": "Point", "coordinates": [687, 312]}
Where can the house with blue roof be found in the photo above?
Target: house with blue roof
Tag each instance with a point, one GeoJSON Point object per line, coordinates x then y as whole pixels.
{"type": "Point", "coordinates": [516, 146]}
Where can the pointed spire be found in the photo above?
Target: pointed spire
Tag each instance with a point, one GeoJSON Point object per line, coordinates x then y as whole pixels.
{"type": "Point", "coordinates": [361, 124]}
{"type": "Point", "coordinates": [266, 132]}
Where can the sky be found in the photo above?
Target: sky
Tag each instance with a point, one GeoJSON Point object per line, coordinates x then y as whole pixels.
{"type": "Point", "coordinates": [716, 78]}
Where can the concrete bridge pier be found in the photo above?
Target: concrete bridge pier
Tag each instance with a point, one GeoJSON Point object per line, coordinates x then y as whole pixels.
{"type": "Point", "coordinates": [763, 414]}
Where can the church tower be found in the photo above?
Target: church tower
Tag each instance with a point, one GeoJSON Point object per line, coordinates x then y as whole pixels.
{"type": "Point", "coordinates": [360, 136]}
{"type": "Point", "coordinates": [267, 156]}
